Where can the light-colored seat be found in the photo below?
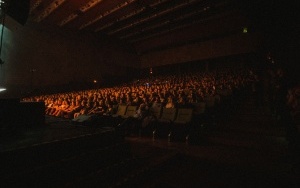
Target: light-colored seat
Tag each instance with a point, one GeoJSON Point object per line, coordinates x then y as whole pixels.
{"type": "Point", "coordinates": [130, 112]}
{"type": "Point", "coordinates": [168, 115]}
{"type": "Point", "coordinates": [120, 111]}
{"type": "Point", "coordinates": [184, 116]}
{"type": "Point", "coordinates": [156, 111]}
{"type": "Point", "coordinates": [181, 125]}
{"type": "Point", "coordinates": [163, 124]}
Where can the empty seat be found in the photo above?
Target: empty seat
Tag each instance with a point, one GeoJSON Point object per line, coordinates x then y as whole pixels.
{"type": "Point", "coordinates": [115, 108]}
{"type": "Point", "coordinates": [120, 111]}
{"type": "Point", "coordinates": [184, 116]}
{"type": "Point", "coordinates": [148, 123]}
{"type": "Point", "coordinates": [156, 111]}
{"type": "Point", "coordinates": [199, 113]}
{"type": "Point", "coordinates": [117, 118]}
{"type": "Point", "coordinates": [168, 115]}
{"type": "Point", "coordinates": [181, 125]}
{"type": "Point", "coordinates": [130, 112]}
{"type": "Point", "coordinates": [163, 125]}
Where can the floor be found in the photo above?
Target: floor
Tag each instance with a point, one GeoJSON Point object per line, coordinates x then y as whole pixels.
{"type": "Point", "coordinates": [248, 149]}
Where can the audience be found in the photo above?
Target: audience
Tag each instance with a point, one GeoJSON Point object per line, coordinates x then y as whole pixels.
{"type": "Point", "coordinates": [171, 91]}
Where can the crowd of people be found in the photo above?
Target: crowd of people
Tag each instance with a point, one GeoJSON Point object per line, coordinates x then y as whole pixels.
{"type": "Point", "coordinates": [171, 91]}
{"type": "Point", "coordinates": [185, 91]}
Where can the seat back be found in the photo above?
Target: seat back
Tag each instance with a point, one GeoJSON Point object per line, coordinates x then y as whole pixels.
{"type": "Point", "coordinates": [168, 114]}
{"type": "Point", "coordinates": [184, 115]}
{"type": "Point", "coordinates": [121, 110]}
{"type": "Point", "coordinates": [131, 111]}
{"type": "Point", "coordinates": [115, 108]}
{"type": "Point", "coordinates": [156, 111]}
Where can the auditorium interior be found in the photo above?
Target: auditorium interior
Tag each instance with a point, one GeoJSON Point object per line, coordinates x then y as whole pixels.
{"type": "Point", "coordinates": [149, 93]}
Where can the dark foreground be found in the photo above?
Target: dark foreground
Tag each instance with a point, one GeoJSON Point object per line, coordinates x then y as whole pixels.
{"type": "Point", "coordinates": [247, 149]}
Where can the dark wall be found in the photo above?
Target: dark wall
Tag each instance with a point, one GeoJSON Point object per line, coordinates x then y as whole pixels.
{"type": "Point", "coordinates": [213, 27]}
{"type": "Point", "coordinates": [231, 45]}
{"type": "Point", "coordinates": [40, 56]}
{"type": "Point", "coordinates": [217, 36]}
{"type": "Point", "coordinates": [279, 22]}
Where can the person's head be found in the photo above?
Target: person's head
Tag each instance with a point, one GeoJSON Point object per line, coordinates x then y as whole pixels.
{"type": "Point", "coordinates": [142, 106]}
{"type": "Point", "coordinates": [95, 104]}
{"type": "Point", "coordinates": [181, 100]}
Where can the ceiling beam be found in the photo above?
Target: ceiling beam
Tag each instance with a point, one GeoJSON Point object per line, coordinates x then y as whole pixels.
{"type": "Point", "coordinates": [35, 4]}
{"type": "Point", "coordinates": [152, 16]}
{"type": "Point", "coordinates": [49, 9]}
{"type": "Point", "coordinates": [81, 10]}
{"type": "Point", "coordinates": [108, 12]}
{"type": "Point", "coordinates": [121, 19]}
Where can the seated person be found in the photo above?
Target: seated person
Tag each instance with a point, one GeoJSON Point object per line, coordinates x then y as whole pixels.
{"type": "Point", "coordinates": [98, 108]}
{"type": "Point", "coordinates": [141, 111]}
{"type": "Point", "coordinates": [83, 110]}
{"type": "Point", "coordinates": [65, 105]}
{"type": "Point", "coordinates": [156, 103]}
{"type": "Point", "coordinates": [71, 110]}
{"type": "Point", "coordinates": [170, 103]}
{"type": "Point", "coordinates": [54, 108]}
{"type": "Point", "coordinates": [109, 110]}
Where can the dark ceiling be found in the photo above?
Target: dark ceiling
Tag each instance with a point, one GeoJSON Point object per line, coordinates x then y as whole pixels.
{"type": "Point", "coordinates": [135, 21]}
{"type": "Point", "coordinates": [129, 20]}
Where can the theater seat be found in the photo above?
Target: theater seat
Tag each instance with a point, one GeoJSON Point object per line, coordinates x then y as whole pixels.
{"type": "Point", "coordinates": [117, 118]}
{"type": "Point", "coordinates": [199, 114]}
{"type": "Point", "coordinates": [120, 111]}
{"type": "Point", "coordinates": [149, 122]}
{"type": "Point", "coordinates": [181, 125]}
{"type": "Point", "coordinates": [163, 125]}
{"type": "Point", "coordinates": [82, 120]}
{"type": "Point", "coordinates": [130, 112]}
{"type": "Point", "coordinates": [168, 115]}
{"type": "Point", "coordinates": [156, 112]}
{"type": "Point", "coordinates": [184, 116]}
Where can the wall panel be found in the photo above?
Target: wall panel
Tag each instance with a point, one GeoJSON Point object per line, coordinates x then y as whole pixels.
{"type": "Point", "coordinates": [231, 45]}
{"type": "Point", "coordinates": [58, 56]}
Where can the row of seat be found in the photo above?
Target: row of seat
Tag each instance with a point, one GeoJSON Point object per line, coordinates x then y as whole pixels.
{"type": "Point", "coordinates": [176, 115]}
{"type": "Point", "coordinates": [171, 123]}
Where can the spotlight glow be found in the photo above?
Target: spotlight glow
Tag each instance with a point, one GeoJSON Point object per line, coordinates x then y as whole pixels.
{"type": "Point", "coordinates": [2, 89]}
